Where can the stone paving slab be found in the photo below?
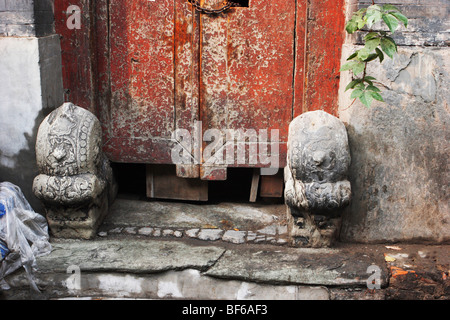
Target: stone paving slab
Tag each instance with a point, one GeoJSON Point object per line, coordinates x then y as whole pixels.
{"type": "Point", "coordinates": [128, 255]}
{"type": "Point", "coordinates": [328, 267]}
{"type": "Point", "coordinates": [268, 264]}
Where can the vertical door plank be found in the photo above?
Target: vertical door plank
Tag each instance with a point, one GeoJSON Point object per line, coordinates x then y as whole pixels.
{"type": "Point", "coordinates": [77, 53]}
{"type": "Point", "coordinates": [324, 38]}
{"type": "Point", "coordinates": [272, 186]}
{"type": "Point", "coordinates": [186, 55]}
{"type": "Point", "coordinates": [141, 40]}
{"type": "Point", "coordinates": [254, 185]}
{"type": "Point", "coordinates": [163, 183]}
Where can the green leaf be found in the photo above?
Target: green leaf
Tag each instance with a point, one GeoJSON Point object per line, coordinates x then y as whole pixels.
{"type": "Point", "coordinates": [352, 84]}
{"type": "Point", "coordinates": [357, 21]}
{"type": "Point", "coordinates": [390, 7]}
{"type": "Point", "coordinates": [380, 54]}
{"type": "Point", "coordinates": [361, 22]}
{"type": "Point", "coordinates": [372, 44]}
{"type": "Point", "coordinates": [376, 96]}
{"type": "Point", "coordinates": [366, 98]}
{"type": "Point", "coordinates": [401, 18]}
{"type": "Point", "coordinates": [371, 57]}
{"type": "Point", "coordinates": [356, 94]}
{"type": "Point", "coordinates": [373, 16]}
{"type": "Point", "coordinates": [388, 46]}
{"type": "Point", "coordinates": [373, 88]}
{"type": "Point", "coordinates": [369, 80]}
{"type": "Point", "coordinates": [360, 86]}
{"type": "Point", "coordinates": [351, 26]}
{"type": "Point", "coordinates": [363, 54]}
{"type": "Point", "coordinates": [371, 35]}
{"type": "Point", "coordinates": [348, 65]}
{"type": "Point", "coordinates": [373, 8]}
{"type": "Point", "coordinates": [390, 21]}
{"type": "Point", "coordinates": [358, 68]}
{"type": "Point", "coordinates": [352, 56]}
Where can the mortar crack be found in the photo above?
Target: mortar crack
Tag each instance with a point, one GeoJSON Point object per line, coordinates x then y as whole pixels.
{"type": "Point", "coordinates": [213, 263]}
{"type": "Point", "coordinates": [413, 55]}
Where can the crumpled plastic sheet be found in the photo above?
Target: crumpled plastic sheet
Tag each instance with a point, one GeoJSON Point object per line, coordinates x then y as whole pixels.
{"type": "Point", "coordinates": [23, 235]}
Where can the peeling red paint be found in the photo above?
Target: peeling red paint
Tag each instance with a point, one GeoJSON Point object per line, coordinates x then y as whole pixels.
{"type": "Point", "coordinates": [76, 52]}
{"type": "Point", "coordinates": [324, 38]}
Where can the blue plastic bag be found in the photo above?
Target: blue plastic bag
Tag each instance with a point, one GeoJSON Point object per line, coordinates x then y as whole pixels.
{"type": "Point", "coordinates": [3, 250]}
{"type": "Point", "coordinates": [23, 234]}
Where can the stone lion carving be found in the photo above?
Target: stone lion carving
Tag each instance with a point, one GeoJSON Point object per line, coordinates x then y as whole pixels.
{"type": "Point", "coordinates": [316, 185]}
{"type": "Point", "coordinates": [75, 181]}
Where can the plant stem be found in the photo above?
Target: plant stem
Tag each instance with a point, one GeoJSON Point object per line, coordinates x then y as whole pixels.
{"type": "Point", "coordinates": [350, 104]}
{"type": "Point", "coordinates": [364, 72]}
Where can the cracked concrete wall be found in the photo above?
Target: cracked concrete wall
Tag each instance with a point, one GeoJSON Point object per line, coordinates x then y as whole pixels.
{"type": "Point", "coordinates": [400, 148]}
{"type": "Point", "coordinates": [30, 69]}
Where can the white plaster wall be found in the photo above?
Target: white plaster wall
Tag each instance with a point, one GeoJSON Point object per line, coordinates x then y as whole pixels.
{"type": "Point", "coordinates": [20, 95]}
{"type": "Point", "coordinates": [30, 88]}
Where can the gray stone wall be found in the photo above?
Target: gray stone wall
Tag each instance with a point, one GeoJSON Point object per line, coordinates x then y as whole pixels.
{"type": "Point", "coordinates": [30, 71]}
{"type": "Point", "coordinates": [26, 18]}
{"type": "Point", "coordinates": [428, 22]}
{"type": "Point", "coordinates": [400, 149]}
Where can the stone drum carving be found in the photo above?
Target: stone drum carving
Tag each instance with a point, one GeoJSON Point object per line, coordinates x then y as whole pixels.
{"type": "Point", "coordinates": [316, 185]}
{"type": "Point", "coordinates": [75, 182]}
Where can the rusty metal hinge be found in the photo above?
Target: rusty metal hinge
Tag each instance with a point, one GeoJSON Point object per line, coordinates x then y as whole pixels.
{"type": "Point", "coordinates": [226, 5]}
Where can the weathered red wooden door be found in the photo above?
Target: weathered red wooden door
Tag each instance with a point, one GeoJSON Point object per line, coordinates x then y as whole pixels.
{"type": "Point", "coordinates": [158, 66]}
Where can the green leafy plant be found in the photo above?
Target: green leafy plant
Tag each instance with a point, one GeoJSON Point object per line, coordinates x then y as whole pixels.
{"type": "Point", "coordinates": [376, 45]}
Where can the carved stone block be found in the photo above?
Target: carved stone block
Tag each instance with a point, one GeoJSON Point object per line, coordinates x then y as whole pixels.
{"type": "Point", "coordinates": [75, 182]}
{"type": "Point", "coordinates": [316, 185]}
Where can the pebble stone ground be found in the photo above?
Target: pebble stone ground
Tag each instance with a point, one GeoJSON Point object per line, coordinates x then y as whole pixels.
{"type": "Point", "coordinates": [273, 234]}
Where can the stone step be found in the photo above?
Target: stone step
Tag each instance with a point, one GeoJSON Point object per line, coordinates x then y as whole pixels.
{"type": "Point", "coordinates": [229, 222]}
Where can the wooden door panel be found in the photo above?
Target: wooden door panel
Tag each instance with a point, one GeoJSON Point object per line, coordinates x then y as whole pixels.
{"type": "Point", "coordinates": [247, 69]}
{"type": "Point", "coordinates": [323, 43]}
{"type": "Point", "coordinates": [141, 80]}
{"type": "Point", "coordinates": [142, 68]}
{"type": "Point", "coordinates": [260, 61]}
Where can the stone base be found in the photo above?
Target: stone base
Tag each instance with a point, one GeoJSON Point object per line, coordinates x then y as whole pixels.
{"type": "Point", "coordinates": [313, 231]}
{"type": "Point", "coordinates": [78, 223]}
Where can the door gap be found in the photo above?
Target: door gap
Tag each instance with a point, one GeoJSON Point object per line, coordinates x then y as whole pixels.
{"type": "Point", "coordinates": [240, 3]}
